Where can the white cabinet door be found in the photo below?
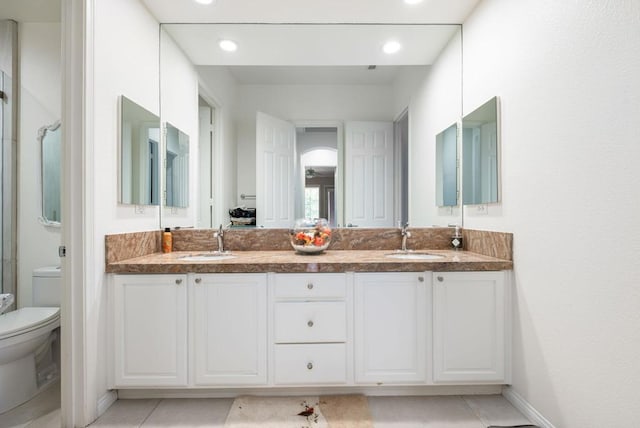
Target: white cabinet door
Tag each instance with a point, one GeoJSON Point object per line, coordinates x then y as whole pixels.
{"type": "Point", "coordinates": [275, 163]}
{"type": "Point", "coordinates": [369, 174]}
{"type": "Point", "coordinates": [391, 327]}
{"type": "Point", "coordinates": [470, 313]}
{"type": "Point", "coordinates": [150, 330]}
{"type": "Point", "coordinates": [230, 329]}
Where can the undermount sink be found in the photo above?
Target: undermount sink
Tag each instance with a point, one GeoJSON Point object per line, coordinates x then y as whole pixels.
{"type": "Point", "coordinates": [410, 255]}
{"type": "Point", "coordinates": [206, 257]}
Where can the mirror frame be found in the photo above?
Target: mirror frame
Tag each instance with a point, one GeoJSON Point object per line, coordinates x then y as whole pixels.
{"type": "Point", "coordinates": [42, 138]}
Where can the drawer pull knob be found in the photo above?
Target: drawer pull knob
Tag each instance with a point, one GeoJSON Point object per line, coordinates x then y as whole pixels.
{"type": "Point", "coordinates": [310, 323]}
{"type": "Point", "coordinates": [310, 286]}
{"type": "Point", "coordinates": [198, 280]}
{"type": "Point", "coordinates": [440, 279]}
{"type": "Point", "coordinates": [178, 281]}
{"type": "Point", "coordinates": [309, 366]}
{"type": "Point", "coordinates": [421, 278]}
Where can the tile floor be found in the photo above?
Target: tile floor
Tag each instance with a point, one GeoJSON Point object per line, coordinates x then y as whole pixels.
{"type": "Point", "coordinates": [43, 411]}
{"type": "Point", "coordinates": [478, 411]}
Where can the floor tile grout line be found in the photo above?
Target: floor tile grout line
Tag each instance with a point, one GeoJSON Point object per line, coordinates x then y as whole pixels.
{"type": "Point", "coordinates": [151, 412]}
{"type": "Point", "coordinates": [476, 414]}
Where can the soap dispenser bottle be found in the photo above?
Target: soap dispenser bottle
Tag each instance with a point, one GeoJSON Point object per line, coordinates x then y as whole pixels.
{"type": "Point", "coordinates": [456, 239]}
{"type": "Point", "coordinates": [167, 240]}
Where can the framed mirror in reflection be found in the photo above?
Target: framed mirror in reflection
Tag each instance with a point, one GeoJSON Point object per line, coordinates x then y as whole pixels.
{"type": "Point", "coordinates": [177, 167]}
{"type": "Point", "coordinates": [480, 155]}
{"type": "Point", "coordinates": [50, 158]}
{"type": "Point", "coordinates": [447, 167]}
{"type": "Point", "coordinates": [139, 155]}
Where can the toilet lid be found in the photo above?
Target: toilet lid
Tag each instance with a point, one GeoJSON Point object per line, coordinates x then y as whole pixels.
{"type": "Point", "coordinates": [25, 319]}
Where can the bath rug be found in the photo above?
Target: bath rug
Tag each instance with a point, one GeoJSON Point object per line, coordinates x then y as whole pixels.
{"type": "Point", "coordinates": [346, 411]}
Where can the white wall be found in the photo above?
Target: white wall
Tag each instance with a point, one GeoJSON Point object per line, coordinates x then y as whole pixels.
{"type": "Point", "coordinates": [126, 62]}
{"type": "Point", "coordinates": [434, 106]}
{"type": "Point", "coordinates": [300, 103]}
{"type": "Point", "coordinates": [179, 89]}
{"type": "Point", "coordinates": [40, 103]}
{"type": "Point", "coordinates": [568, 77]}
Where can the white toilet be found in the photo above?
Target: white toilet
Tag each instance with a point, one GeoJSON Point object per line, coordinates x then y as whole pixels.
{"type": "Point", "coordinates": [29, 344]}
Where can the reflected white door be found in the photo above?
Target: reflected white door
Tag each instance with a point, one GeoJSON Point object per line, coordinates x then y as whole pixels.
{"type": "Point", "coordinates": [369, 175]}
{"type": "Point", "coordinates": [275, 162]}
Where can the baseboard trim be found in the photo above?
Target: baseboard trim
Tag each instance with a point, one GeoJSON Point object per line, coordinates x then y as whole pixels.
{"type": "Point", "coordinates": [525, 408]}
{"type": "Point", "coordinates": [286, 391]}
{"type": "Point", "coordinates": [106, 401]}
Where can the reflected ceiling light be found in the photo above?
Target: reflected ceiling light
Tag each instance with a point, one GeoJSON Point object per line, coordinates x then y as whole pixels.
{"type": "Point", "coordinates": [228, 45]}
{"type": "Point", "coordinates": [412, 1]}
{"type": "Point", "coordinates": [391, 47]}
{"type": "Point", "coordinates": [205, 1]}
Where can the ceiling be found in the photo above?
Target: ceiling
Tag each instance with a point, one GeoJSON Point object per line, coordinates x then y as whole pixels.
{"type": "Point", "coordinates": [310, 44]}
{"type": "Point", "coordinates": [311, 54]}
{"type": "Point", "coordinates": [315, 75]}
{"type": "Point", "coordinates": [299, 11]}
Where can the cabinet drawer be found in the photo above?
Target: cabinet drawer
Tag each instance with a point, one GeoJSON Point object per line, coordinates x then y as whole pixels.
{"type": "Point", "coordinates": [311, 364]}
{"type": "Point", "coordinates": [325, 285]}
{"type": "Point", "coordinates": [310, 322]}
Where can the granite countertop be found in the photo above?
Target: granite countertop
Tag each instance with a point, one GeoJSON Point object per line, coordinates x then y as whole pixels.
{"type": "Point", "coordinates": [291, 262]}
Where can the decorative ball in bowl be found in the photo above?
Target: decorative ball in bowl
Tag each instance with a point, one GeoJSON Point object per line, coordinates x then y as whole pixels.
{"type": "Point", "coordinates": [311, 236]}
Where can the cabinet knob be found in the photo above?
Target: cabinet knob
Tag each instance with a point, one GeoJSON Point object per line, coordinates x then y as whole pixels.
{"type": "Point", "coordinates": [310, 285]}
{"type": "Point", "coordinates": [198, 280]}
{"type": "Point", "coordinates": [421, 278]}
{"type": "Point", "coordinates": [178, 281]}
{"type": "Point", "coordinates": [309, 366]}
{"type": "Point", "coordinates": [310, 323]}
{"type": "Point", "coordinates": [440, 279]}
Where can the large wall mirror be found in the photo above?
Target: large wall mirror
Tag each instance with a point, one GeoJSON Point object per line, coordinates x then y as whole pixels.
{"type": "Point", "coordinates": [50, 161]}
{"type": "Point", "coordinates": [139, 155]}
{"type": "Point", "coordinates": [315, 82]}
{"type": "Point", "coordinates": [480, 155]}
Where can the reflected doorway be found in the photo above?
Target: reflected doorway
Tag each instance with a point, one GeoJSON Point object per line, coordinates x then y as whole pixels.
{"type": "Point", "coordinates": [318, 148]}
{"type": "Point", "coordinates": [206, 116]}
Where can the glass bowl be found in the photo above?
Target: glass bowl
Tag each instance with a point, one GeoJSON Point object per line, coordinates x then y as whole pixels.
{"type": "Point", "coordinates": [311, 236]}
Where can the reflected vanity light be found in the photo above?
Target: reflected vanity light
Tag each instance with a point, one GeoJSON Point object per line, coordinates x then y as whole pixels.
{"type": "Point", "coordinates": [228, 45]}
{"type": "Point", "coordinates": [412, 1]}
{"type": "Point", "coordinates": [207, 1]}
{"type": "Point", "coordinates": [391, 47]}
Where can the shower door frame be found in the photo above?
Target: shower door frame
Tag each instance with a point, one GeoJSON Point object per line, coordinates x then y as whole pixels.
{"type": "Point", "coordinates": [9, 85]}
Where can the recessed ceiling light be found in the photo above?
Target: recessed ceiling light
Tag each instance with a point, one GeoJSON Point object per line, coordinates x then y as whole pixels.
{"type": "Point", "coordinates": [391, 47]}
{"type": "Point", "coordinates": [412, 1]}
{"type": "Point", "coordinates": [228, 45]}
{"type": "Point", "coordinates": [205, 1]}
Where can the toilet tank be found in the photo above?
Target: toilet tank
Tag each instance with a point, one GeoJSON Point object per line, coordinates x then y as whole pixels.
{"type": "Point", "coordinates": [46, 286]}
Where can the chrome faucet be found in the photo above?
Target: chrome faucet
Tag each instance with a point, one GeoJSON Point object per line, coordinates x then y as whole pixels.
{"type": "Point", "coordinates": [405, 234]}
{"type": "Point", "coordinates": [219, 234]}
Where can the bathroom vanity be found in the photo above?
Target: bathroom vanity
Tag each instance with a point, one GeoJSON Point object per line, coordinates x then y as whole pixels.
{"type": "Point", "coordinates": [346, 318]}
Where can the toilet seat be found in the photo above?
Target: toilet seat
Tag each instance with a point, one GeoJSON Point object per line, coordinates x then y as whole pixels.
{"type": "Point", "coordinates": [25, 320]}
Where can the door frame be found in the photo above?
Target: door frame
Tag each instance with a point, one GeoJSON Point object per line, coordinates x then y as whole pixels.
{"type": "Point", "coordinates": [79, 400]}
